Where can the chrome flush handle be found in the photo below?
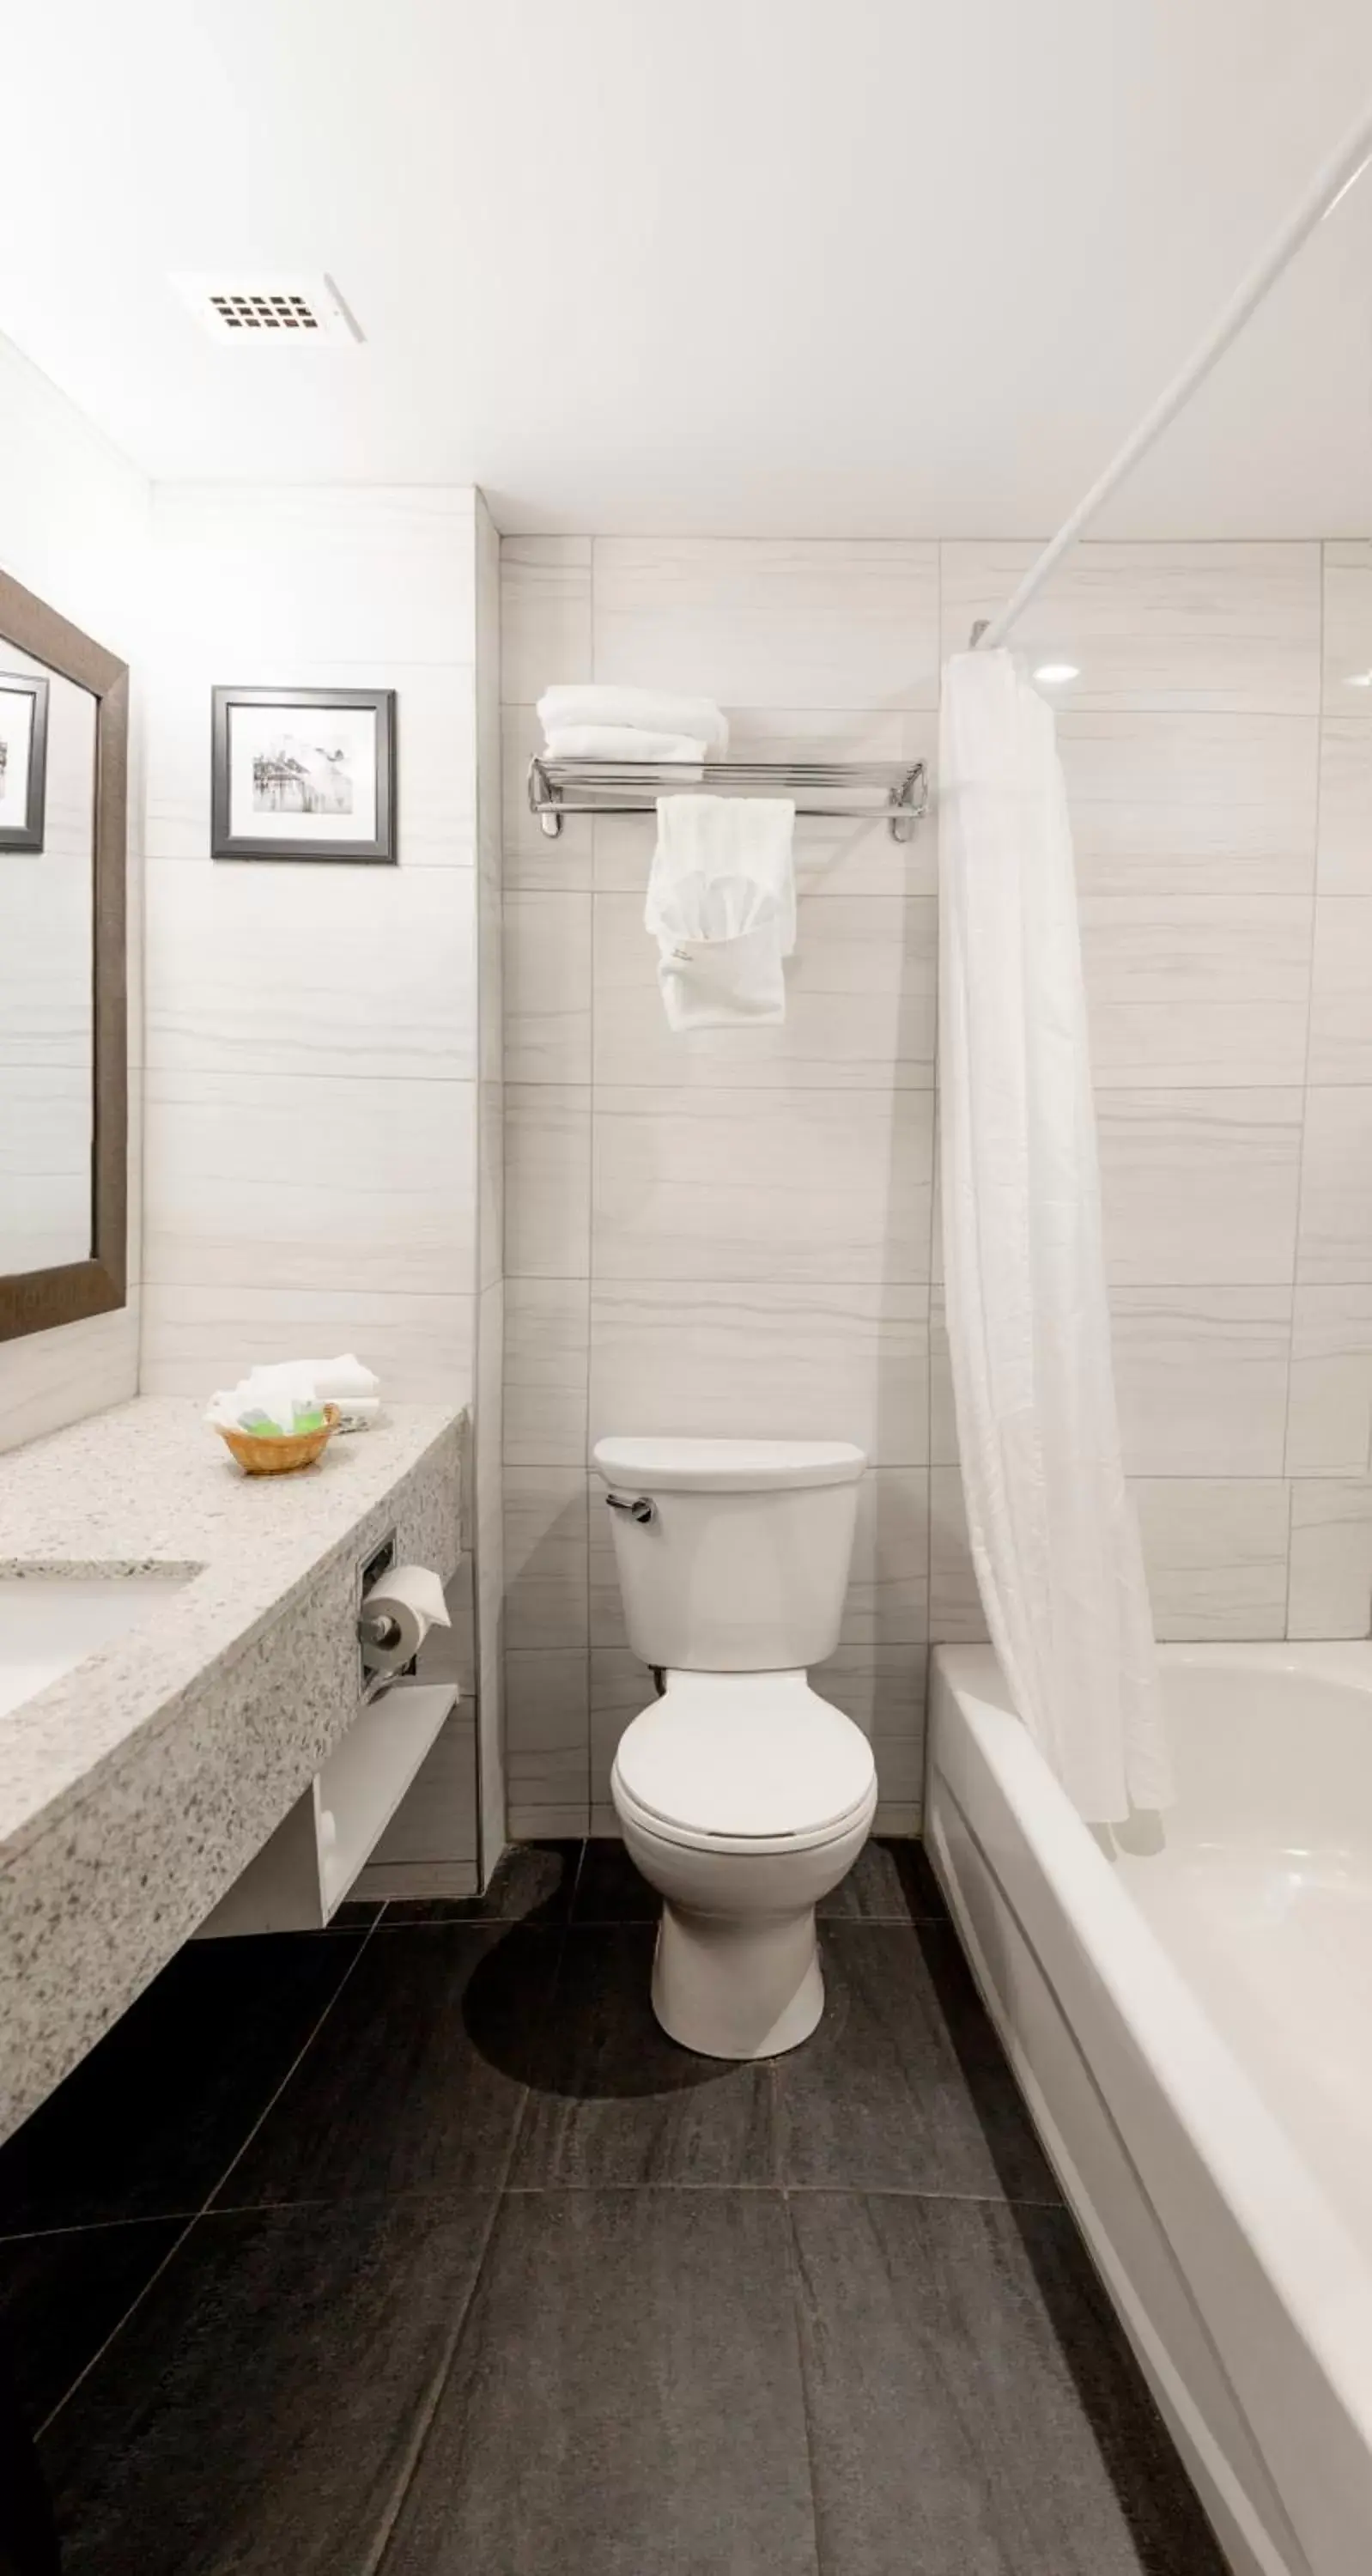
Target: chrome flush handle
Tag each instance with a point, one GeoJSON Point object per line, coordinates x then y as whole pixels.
{"type": "Point", "coordinates": [640, 1509]}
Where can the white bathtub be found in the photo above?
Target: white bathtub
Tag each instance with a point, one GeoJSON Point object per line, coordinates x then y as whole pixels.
{"type": "Point", "coordinates": [1193, 2031]}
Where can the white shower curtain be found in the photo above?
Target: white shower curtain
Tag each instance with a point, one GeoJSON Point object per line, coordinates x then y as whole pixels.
{"type": "Point", "coordinates": [1054, 1538]}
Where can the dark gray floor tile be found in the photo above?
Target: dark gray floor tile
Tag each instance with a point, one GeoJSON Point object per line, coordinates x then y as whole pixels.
{"type": "Point", "coordinates": [147, 2123]}
{"type": "Point", "coordinates": [533, 1883]}
{"type": "Point", "coordinates": [626, 2398]}
{"type": "Point", "coordinates": [261, 2410]}
{"type": "Point", "coordinates": [974, 2409]}
{"type": "Point", "coordinates": [357, 1913]}
{"type": "Point", "coordinates": [61, 2295]}
{"type": "Point", "coordinates": [415, 2081]}
{"type": "Point", "coordinates": [611, 1890]}
{"type": "Point", "coordinates": [904, 2085]}
{"type": "Point", "coordinates": [613, 2100]}
{"type": "Point", "coordinates": [890, 1882]}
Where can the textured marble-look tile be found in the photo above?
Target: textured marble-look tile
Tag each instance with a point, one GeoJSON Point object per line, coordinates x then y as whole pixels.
{"type": "Point", "coordinates": [757, 621]}
{"type": "Point", "coordinates": [1341, 990]}
{"type": "Point", "coordinates": [1196, 989]}
{"type": "Point", "coordinates": [1214, 1551]}
{"type": "Point", "coordinates": [545, 614]}
{"type": "Point", "coordinates": [620, 1687]}
{"type": "Point", "coordinates": [1200, 1375]}
{"type": "Point", "coordinates": [50, 1379]}
{"type": "Point", "coordinates": [613, 2100]}
{"type": "Point", "coordinates": [531, 1883]}
{"type": "Point", "coordinates": [365, 573]}
{"type": "Point", "coordinates": [547, 1740]}
{"type": "Point", "coordinates": [262, 2408]}
{"type": "Point", "coordinates": [1191, 804]}
{"type": "Point", "coordinates": [1199, 1186]}
{"type": "Point", "coordinates": [547, 1181]}
{"type": "Point", "coordinates": [547, 1365]}
{"type": "Point", "coordinates": [1335, 1247]}
{"type": "Point", "coordinates": [195, 1339]}
{"type": "Point", "coordinates": [882, 1688]}
{"type": "Point", "coordinates": [548, 987]}
{"type": "Point", "coordinates": [1329, 1423]}
{"type": "Point", "coordinates": [545, 1557]}
{"type": "Point", "coordinates": [768, 1185]}
{"type": "Point", "coordinates": [859, 1003]}
{"type": "Point", "coordinates": [1345, 839]}
{"type": "Point", "coordinates": [416, 2079]}
{"type": "Point", "coordinates": [887, 1602]}
{"type": "Point", "coordinates": [956, 1616]}
{"type": "Point", "coordinates": [247, 968]}
{"type": "Point", "coordinates": [1331, 1558]}
{"type": "Point", "coordinates": [534, 861]}
{"type": "Point", "coordinates": [286, 1181]}
{"type": "Point", "coordinates": [891, 1881]}
{"type": "Point", "coordinates": [609, 1889]}
{"type": "Point", "coordinates": [61, 2297]}
{"type": "Point", "coordinates": [147, 2123]}
{"type": "Point", "coordinates": [973, 2403]}
{"type": "Point", "coordinates": [488, 1265]}
{"type": "Point", "coordinates": [1159, 627]}
{"type": "Point", "coordinates": [764, 1361]}
{"type": "Point", "coordinates": [904, 2086]}
{"type": "Point", "coordinates": [1347, 624]}
{"type": "Point", "coordinates": [626, 2395]}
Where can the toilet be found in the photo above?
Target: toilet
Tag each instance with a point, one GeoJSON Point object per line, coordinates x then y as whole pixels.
{"type": "Point", "coordinates": [742, 1795]}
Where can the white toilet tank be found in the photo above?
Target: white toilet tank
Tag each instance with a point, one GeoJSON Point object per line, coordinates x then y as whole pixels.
{"type": "Point", "coordinates": [736, 1558]}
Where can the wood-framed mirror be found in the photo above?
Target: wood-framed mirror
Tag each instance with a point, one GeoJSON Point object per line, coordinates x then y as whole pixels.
{"type": "Point", "coordinates": [64, 723]}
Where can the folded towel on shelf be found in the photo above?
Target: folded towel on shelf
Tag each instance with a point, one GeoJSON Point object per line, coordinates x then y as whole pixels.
{"type": "Point", "coordinates": [620, 742]}
{"type": "Point", "coordinates": [594, 702]}
{"type": "Point", "coordinates": [722, 906]}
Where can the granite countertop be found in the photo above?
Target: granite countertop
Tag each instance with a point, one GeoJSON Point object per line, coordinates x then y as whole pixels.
{"type": "Point", "coordinates": [148, 1488]}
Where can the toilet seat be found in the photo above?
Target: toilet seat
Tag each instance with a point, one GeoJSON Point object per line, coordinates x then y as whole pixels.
{"type": "Point", "coordinates": [743, 1762]}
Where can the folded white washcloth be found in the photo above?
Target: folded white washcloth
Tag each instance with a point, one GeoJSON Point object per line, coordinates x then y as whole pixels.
{"type": "Point", "coordinates": [621, 742]}
{"type": "Point", "coordinates": [595, 702]}
{"type": "Point", "coordinates": [722, 906]}
{"type": "Point", "coordinates": [344, 1376]}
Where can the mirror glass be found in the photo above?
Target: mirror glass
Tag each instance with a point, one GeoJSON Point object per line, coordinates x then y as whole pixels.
{"type": "Point", "coordinates": [47, 964]}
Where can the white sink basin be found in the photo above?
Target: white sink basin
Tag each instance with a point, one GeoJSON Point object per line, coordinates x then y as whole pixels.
{"type": "Point", "coordinates": [49, 1623]}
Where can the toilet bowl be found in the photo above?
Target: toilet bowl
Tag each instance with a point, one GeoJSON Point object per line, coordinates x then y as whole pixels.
{"type": "Point", "coordinates": [743, 1796]}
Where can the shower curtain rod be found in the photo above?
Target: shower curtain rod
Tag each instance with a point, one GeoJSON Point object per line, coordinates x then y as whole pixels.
{"type": "Point", "coordinates": [1328, 185]}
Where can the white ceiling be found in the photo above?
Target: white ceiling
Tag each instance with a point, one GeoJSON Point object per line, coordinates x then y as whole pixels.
{"type": "Point", "coordinates": [773, 266]}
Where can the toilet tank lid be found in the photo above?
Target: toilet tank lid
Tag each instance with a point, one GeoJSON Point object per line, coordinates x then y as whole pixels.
{"type": "Point", "coordinates": [727, 1466]}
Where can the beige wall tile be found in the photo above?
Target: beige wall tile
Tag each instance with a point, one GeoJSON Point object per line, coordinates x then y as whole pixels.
{"type": "Point", "coordinates": [1156, 627]}
{"type": "Point", "coordinates": [1197, 989]}
{"type": "Point", "coordinates": [1329, 1429]}
{"type": "Point", "coordinates": [760, 622]}
{"type": "Point", "coordinates": [1341, 990]}
{"type": "Point", "coordinates": [545, 1557]}
{"type": "Point", "coordinates": [1199, 1186]}
{"type": "Point", "coordinates": [546, 1737]}
{"type": "Point", "coordinates": [547, 1365]}
{"type": "Point", "coordinates": [1201, 1378]}
{"type": "Point", "coordinates": [547, 1181]}
{"type": "Point", "coordinates": [545, 614]}
{"type": "Point", "coordinates": [777, 1185]}
{"type": "Point", "coordinates": [1336, 1187]}
{"type": "Point", "coordinates": [1331, 1558]}
{"type": "Point", "coordinates": [547, 948]}
{"type": "Point", "coordinates": [1215, 1552]}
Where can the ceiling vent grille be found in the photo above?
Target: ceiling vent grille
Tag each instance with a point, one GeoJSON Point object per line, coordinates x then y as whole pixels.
{"type": "Point", "coordinates": [268, 310]}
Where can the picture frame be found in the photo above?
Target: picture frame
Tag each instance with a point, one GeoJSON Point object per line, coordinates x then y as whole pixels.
{"type": "Point", "coordinates": [23, 760]}
{"type": "Point", "coordinates": [304, 774]}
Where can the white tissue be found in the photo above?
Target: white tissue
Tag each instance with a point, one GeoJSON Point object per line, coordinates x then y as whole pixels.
{"type": "Point", "coordinates": [276, 1393]}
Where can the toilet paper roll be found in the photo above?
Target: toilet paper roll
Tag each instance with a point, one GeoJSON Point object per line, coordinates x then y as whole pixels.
{"type": "Point", "coordinates": [410, 1599]}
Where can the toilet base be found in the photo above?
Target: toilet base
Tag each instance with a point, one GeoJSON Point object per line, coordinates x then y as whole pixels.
{"type": "Point", "coordinates": [737, 1988]}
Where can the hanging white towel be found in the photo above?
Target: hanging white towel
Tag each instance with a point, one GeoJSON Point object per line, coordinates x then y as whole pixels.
{"type": "Point", "coordinates": [722, 906]}
{"type": "Point", "coordinates": [621, 742]}
{"type": "Point", "coordinates": [593, 702]}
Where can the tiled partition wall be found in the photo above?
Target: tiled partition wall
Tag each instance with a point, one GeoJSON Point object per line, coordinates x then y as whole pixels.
{"type": "Point", "coordinates": [73, 528]}
{"type": "Point", "coordinates": [320, 1099]}
{"type": "Point", "coordinates": [735, 1233]}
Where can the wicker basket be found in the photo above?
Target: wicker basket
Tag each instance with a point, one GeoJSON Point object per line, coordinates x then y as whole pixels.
{"type": "Point", "coordinates": [283, 1455]}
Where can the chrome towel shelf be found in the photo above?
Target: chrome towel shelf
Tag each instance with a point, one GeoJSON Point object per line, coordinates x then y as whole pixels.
{"type": "Point", "coordinates": [558, 787]}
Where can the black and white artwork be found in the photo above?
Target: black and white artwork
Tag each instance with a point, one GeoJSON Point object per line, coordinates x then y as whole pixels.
{"type": "Point", "coordinates": [304, 774]}
{"type": "Point", "coordinates": [23, 760]}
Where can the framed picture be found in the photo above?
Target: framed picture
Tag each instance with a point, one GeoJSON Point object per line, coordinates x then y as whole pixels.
{"type": "Point", "coordinates": [23, 760]}
{"type": "Point", "coordinates": [304, 774]}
